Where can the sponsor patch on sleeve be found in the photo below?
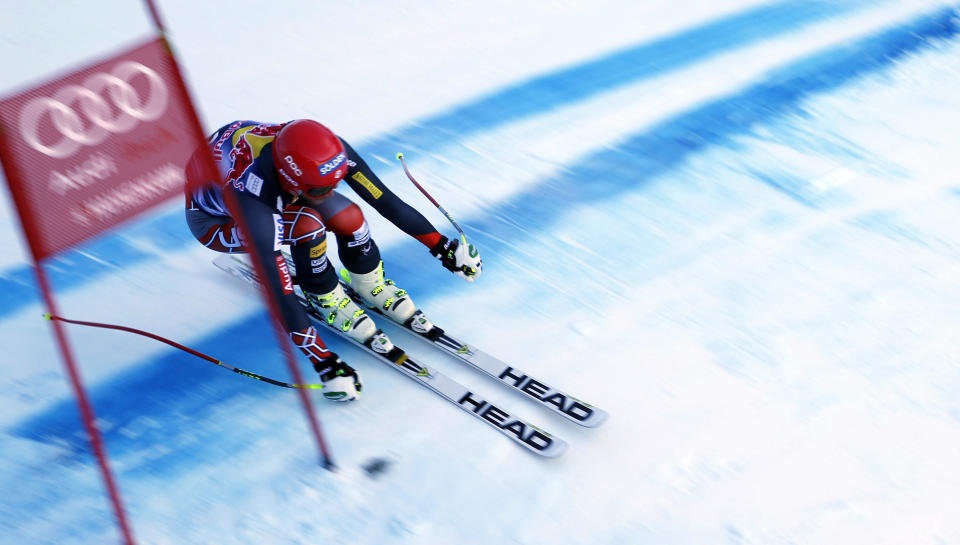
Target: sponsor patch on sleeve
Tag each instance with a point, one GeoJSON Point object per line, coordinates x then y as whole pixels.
{"type": "Point", "coordinates": [319, 249]}
{"type": "Point", "coordinates": [277, 232]}
{"type": "Point", "coordinates": [366, 183]}
{"type": "Point", "coordinates": [361, 236]}
{"type": "Point", "coordinates": [286, 281]}
{"type": "Point", "coordinates": [254, 184]}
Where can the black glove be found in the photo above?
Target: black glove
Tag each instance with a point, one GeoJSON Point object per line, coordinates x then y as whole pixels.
{"type": "Point", "coordinates": [332, 367]}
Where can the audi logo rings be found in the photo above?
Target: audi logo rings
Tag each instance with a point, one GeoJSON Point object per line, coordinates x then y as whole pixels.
{"type": "Point", "coordinates": [101, 122]}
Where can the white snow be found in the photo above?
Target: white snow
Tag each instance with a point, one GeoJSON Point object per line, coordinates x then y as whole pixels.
{"type": "Point", "coordinates": [768, 312]}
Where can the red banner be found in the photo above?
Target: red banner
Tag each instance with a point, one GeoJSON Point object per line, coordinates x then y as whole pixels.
{"type": "Point", "coordinates": [96, 147]}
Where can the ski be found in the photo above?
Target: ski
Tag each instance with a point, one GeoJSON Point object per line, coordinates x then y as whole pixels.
{"type": "Point", "coordinates": [533, 388]}
{"type": "Point", "coordinates": [527, 435]}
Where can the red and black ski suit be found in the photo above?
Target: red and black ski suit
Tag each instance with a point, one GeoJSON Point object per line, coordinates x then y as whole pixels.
{"type": "Point", "coordinates": [243, 153]}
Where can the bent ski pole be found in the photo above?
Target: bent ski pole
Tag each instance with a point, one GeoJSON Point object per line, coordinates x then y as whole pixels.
{"type": "Point", "coordinates": [189, 350]}
{"type": "Point", "coordinates": [463, 238]}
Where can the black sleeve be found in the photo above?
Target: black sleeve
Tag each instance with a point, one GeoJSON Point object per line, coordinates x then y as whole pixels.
{"type": "Point", "coordinates": [259, 220]}
{"type": "Point", "coordinates": [369, 187]}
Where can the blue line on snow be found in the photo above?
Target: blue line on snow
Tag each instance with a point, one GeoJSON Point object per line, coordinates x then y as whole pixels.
{"type": "Point", "coordinates": [644, 156]}
{"type": "Point", "coordinates": [73, 269]}
{"type": "Point", "coordinates": [165, 391]}
{"type": "Point", "coordinates": [638, 159]}
{"type": "Point", "coordinates": [633, 64]}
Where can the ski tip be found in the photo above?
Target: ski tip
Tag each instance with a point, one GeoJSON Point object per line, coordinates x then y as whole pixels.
{"type": "Point", "coordinates": [598, 417]}
{"type": "Point", "coordinates": [555, 450]}
{"type": "Point", "coordinates": [399, 156]}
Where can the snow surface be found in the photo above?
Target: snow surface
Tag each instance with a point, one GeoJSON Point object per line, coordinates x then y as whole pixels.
{"type": "Point", "coordinates": [733, 225]}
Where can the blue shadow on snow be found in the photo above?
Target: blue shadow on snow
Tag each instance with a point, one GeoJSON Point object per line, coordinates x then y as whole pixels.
{"type": "Point", "coordinates": [76, 268]}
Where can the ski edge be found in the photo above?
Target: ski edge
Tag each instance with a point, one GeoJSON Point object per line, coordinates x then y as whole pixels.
{"type": "Point", "coordinates": [537, 441]}
{"type": "Point", "coordinates": [548, 397]}
{"type": "Point", "coordinates": [555, 400]}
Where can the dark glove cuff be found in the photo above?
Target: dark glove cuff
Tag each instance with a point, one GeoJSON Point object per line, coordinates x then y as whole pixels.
{"type": "Point", "coordinates": [326, 365]}
{"type": "Point", "coordinates": [440, 248]}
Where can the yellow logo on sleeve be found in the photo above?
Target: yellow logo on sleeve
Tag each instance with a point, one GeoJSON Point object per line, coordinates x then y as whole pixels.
{"type": "Point", "coordinates": [319, 249]}
{"type": "Point", "coordinates": [365, 182]}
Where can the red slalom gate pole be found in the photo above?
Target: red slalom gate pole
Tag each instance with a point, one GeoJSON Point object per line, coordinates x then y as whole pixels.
{"type": "Point", "coordinates": [282, 337]}
{"type": "Point", "coordinates": [86, 412]}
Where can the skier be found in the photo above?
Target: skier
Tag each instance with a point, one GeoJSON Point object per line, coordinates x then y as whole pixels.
{"type": "Point", "coordinates": [285, 177]}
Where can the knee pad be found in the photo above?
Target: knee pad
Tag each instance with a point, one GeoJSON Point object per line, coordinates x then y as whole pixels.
{"type": "Point", "coordinates": [305, 232]}
{"type": "Point", "coordinates": [301, 225]}
{"type": "Point", "coordinates": [357, 250]}
{"type": "Point", "coordinates": [347, 221]}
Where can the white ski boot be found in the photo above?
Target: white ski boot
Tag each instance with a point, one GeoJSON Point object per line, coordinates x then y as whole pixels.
{"type": "Point", "coordinates": [381, 294]}
{"type": "Point", "coordinates": [340, 312]}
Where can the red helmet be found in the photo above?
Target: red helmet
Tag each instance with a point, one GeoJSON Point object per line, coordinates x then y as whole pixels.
{"type": "Point", "coordinates": [308, 155]}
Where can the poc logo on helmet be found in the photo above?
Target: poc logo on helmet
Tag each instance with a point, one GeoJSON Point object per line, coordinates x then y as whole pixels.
{"type": "Point", "coordinates": [293, 166]}
{"type": "Point", "coordinates": [287, 177]}
{"type": "Point", "coordinates": [332, 164]}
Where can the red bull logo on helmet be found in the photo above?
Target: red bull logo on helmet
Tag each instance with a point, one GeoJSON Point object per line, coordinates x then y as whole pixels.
{"type": "Point", "coordinates": [332, 164]}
